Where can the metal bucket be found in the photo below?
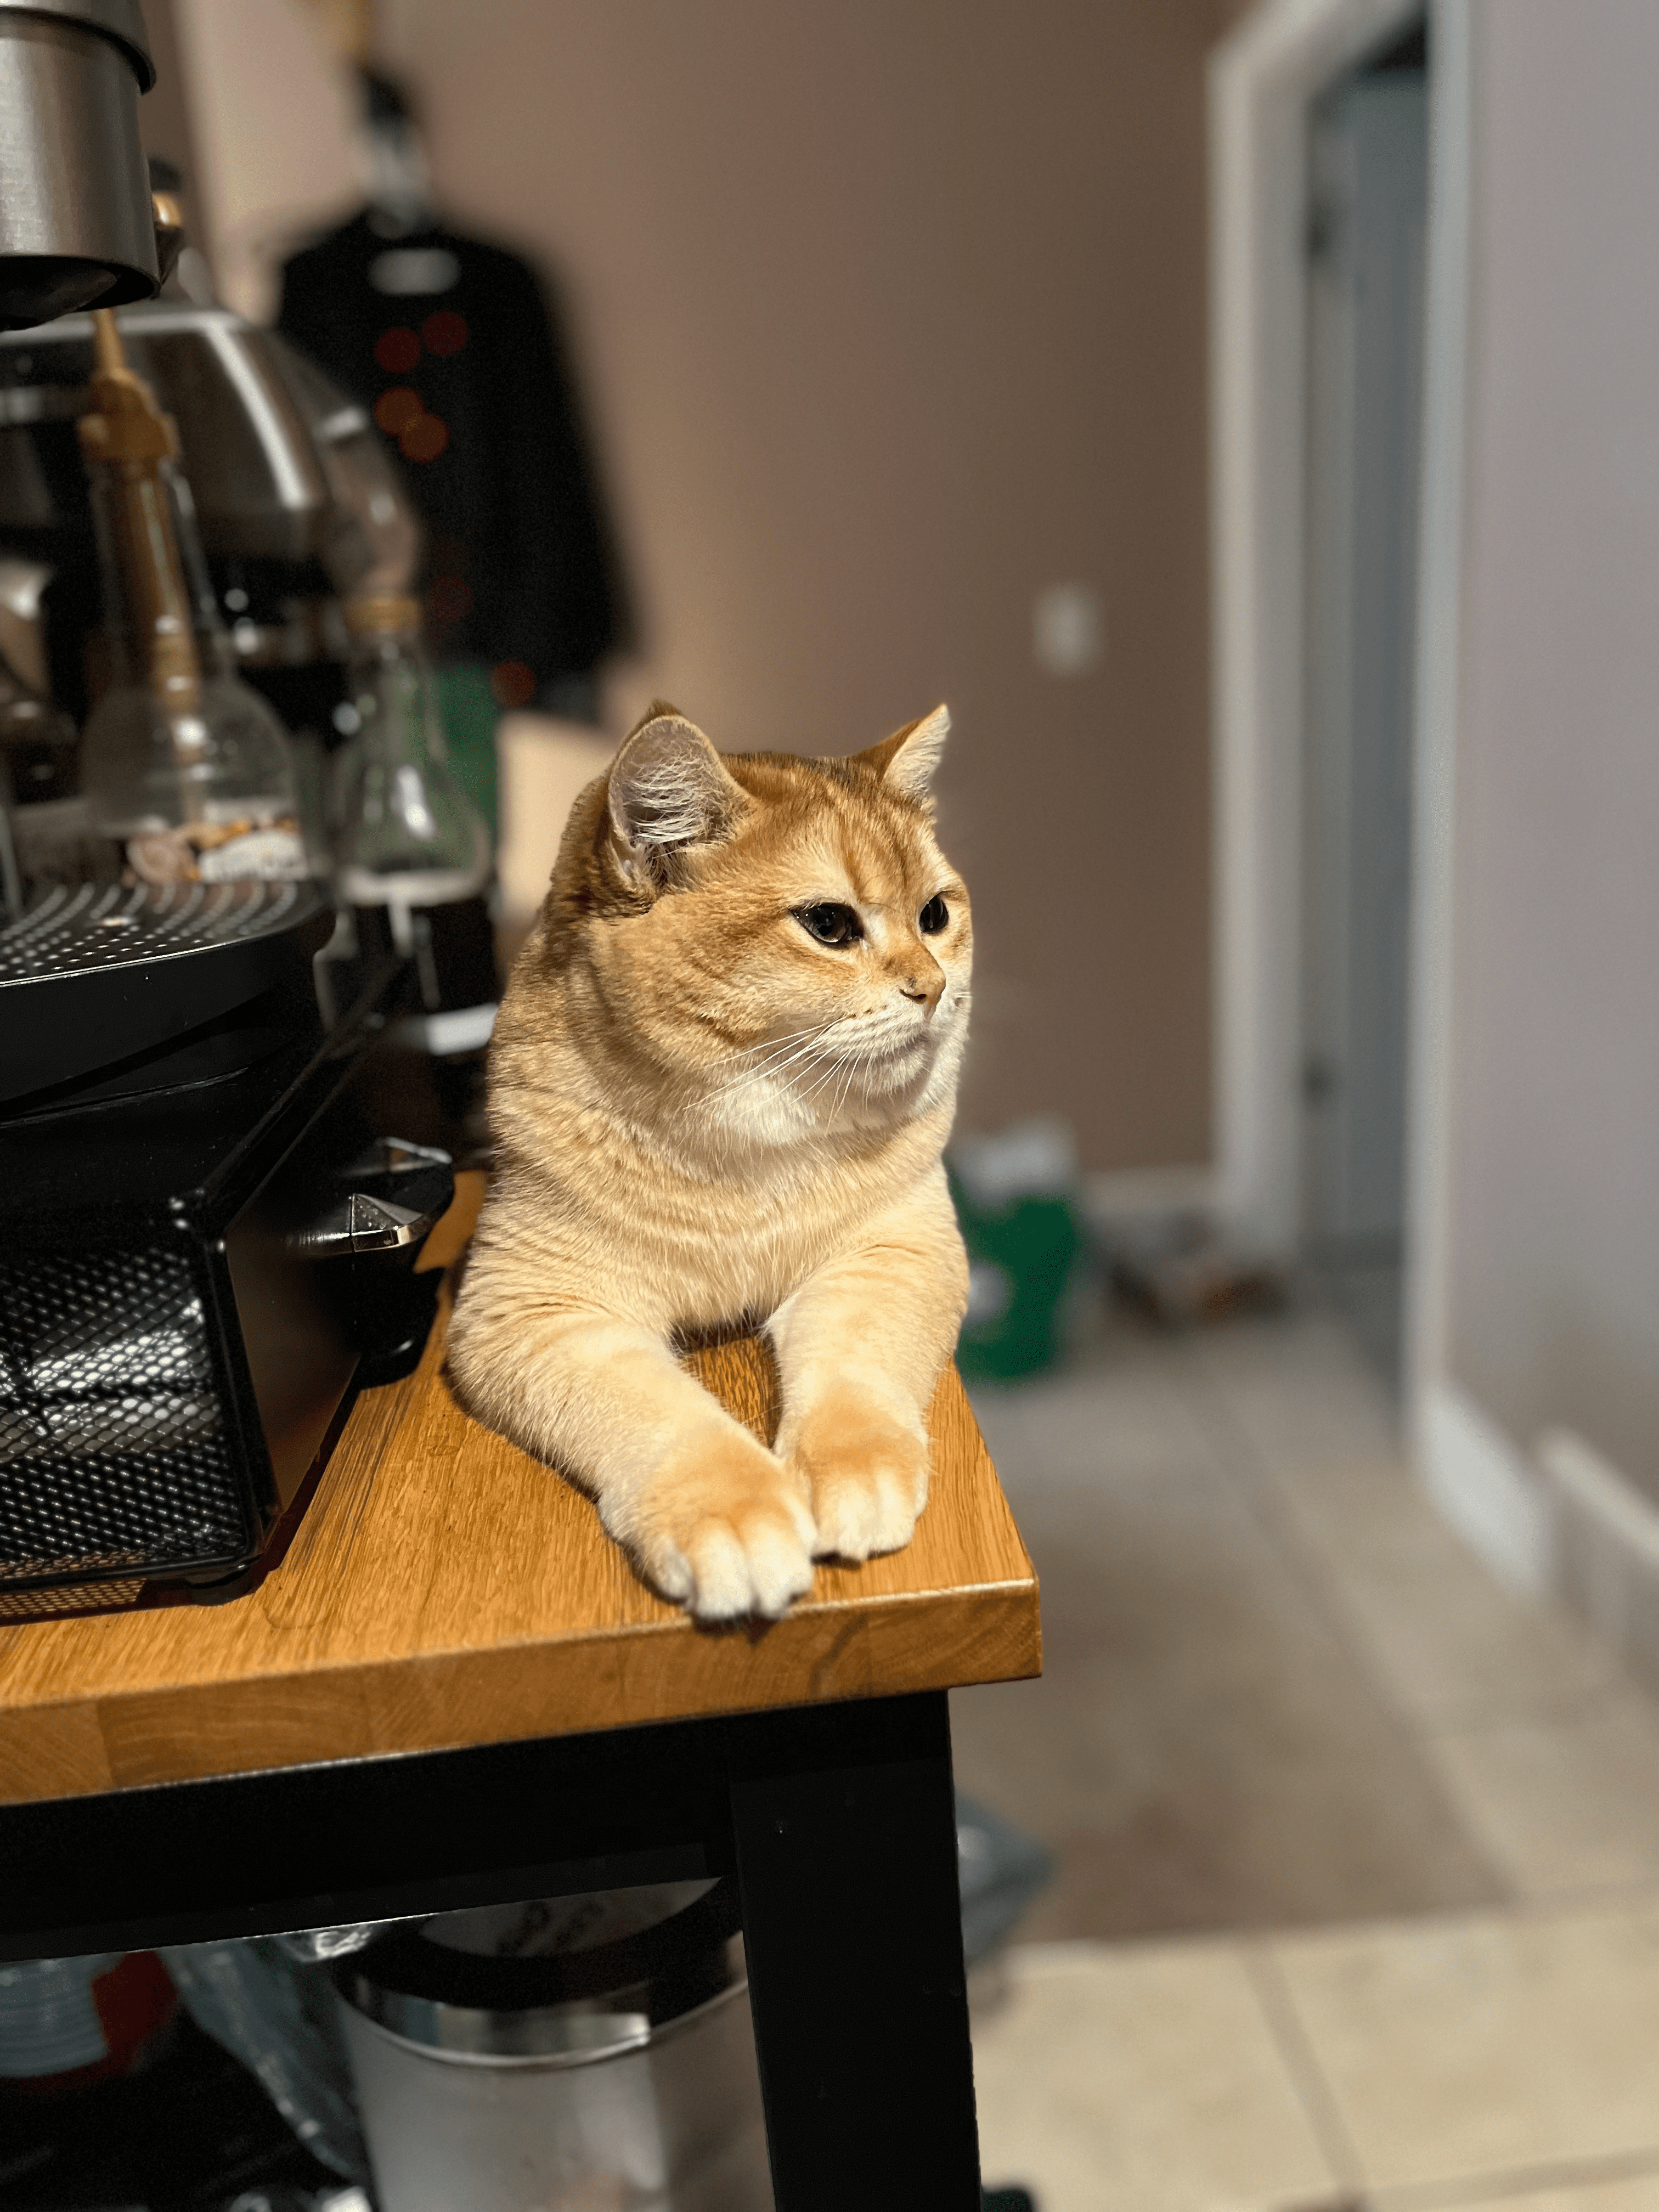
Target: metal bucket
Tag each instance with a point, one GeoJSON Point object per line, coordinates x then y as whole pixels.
{"type": "Point", "coordinates": [590, 2054]}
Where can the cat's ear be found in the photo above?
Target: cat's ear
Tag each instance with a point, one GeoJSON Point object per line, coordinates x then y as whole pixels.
{"type": "Point", "coordinates": [906, 761]}
{"type": "Point", "coordinates": [668, 788]}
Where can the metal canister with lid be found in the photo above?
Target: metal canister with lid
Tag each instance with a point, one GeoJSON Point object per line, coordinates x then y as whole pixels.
{"type": "Point", "coordinates": [578, 2054]}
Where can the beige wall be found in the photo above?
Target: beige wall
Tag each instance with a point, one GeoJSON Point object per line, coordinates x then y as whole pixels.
{"type": "Point", "coordinates": [164, 115]}
{"type": "Point", "coordinates": [1554, 1224]}
{"type": "Point", "coordinates": [273, 120]}
{"type": "Point", "coordinates": [892, 313]}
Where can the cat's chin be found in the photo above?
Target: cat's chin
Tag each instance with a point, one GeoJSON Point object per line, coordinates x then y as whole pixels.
{"type": "Point", "coordinates": [891, 1075]}
{"type": "Point", "coordinates": [912, 1042]}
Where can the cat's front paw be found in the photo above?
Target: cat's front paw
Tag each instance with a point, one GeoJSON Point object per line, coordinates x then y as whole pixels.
{"type": "Point", "coordinates": [725, 1530]}
{"type": "Point", "coordinates": [865, 1471]}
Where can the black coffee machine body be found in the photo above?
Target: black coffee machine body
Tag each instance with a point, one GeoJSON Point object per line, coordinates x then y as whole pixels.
{"type": "Point", "coordinates": [212, 1205]}
{"type": "Point", "coordinates": [207, 1241]}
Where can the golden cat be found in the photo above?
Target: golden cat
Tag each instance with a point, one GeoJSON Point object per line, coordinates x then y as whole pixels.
{"type": "Point", "coordinates": [722, 1077]}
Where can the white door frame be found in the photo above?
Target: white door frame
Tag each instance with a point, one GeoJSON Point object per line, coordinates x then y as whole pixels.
{"type": "Point", "coordinates": [1439, 608]}
{"type": "Point", "coordinates": [1263, 76]}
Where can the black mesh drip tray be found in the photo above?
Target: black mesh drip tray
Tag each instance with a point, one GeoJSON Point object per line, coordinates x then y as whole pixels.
{"type": "Point", "coordinates": [112, 1444]}
{"type": "Point", "coordinates": [72, 931]}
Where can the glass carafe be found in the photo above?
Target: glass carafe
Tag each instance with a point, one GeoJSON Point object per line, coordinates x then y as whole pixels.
{"type": "Point", "coordinates": [181, 763]}
{"type": "Point", "coordinates": [406, 835]}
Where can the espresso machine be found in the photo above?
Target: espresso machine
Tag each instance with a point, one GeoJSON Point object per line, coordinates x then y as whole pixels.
{"type": "Point", "coordinates": [295, 502]}
{"type": "Point", "coordinates": [212, 1202]}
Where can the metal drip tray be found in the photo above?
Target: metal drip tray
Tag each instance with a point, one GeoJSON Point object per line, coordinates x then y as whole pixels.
{"type": "Point", "coordinates": [72, 931]}
{"type": "Point", "coordinates": [95, 980]}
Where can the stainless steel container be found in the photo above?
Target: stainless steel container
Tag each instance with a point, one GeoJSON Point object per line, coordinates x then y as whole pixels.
{"type": "Point", "coordinates": [281, 465]}
{"type": "Point", "coordinates": [589, 2054]}
{"type": "Point", "coordinates": [75, 228]}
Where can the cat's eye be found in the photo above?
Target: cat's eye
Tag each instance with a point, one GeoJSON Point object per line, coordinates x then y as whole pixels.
{"type": "Point", "coordinates": [934, 916]}
{"type": "Point", "coordinates": [830, 923]}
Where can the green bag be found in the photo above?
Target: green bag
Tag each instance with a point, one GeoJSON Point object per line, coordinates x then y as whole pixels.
{"type": "Point", "coordinates": [1021, 1258]}
{"type": "Point", "coordinates": [469, 711]}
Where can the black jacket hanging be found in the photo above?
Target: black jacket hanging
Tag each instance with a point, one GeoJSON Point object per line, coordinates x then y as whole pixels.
{"type": "Point", "coordinates": [470, 380]}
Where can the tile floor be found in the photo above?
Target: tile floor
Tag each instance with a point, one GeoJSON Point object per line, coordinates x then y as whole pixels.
{"type": "Point", "coordinates": [1358, 1888]}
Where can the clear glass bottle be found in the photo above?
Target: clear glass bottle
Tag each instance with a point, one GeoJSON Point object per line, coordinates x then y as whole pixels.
{"type": "Point", "coordinates": [181, 763]}
{"type": "Point", "coordinates": [406, 835]}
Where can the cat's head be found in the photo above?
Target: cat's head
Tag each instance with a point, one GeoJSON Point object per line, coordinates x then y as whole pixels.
{"type": "Point", "coordinates": [785, 938]}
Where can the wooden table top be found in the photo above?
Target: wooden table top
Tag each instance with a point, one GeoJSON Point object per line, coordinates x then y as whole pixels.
{"type": "Point", "coordinates": [444, 1588]}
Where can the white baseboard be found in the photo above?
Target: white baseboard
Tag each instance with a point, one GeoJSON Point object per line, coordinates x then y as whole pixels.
{"type": "Point", "coordinates": [1491, 1493]}
{"type": "Point", "coordinates": [1561, 1521]}
{"type": "Point", "coordinates": [1606, 1543]}
{"type": "Point", "coordinates": [1594, 1486]}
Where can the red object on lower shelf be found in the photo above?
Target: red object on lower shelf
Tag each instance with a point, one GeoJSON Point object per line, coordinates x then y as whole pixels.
{"type": "Point", "coordinates": [133, 2000]}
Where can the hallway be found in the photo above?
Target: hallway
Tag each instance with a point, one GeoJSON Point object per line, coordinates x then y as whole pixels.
{"type": "Point", "coordinates": [1357, 1888]}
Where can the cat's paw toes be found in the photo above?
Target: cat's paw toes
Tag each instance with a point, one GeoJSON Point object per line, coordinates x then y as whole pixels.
{"type": "Point", "coordinates": [867, 1478]}
{"type": "Point", "coordinates": [864, 1510]}
{"type": "Point", "coordinates": [755, 1563]}
{"type": "Point", "coordinates": [727, 1532]}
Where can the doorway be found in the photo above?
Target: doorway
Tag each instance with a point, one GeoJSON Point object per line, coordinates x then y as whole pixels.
{"type": "Point", "coordinates": [1366, 248]}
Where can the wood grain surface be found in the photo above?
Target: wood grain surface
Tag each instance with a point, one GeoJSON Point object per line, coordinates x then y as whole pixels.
{"type": "Point", "coordinates": [445, 1588]}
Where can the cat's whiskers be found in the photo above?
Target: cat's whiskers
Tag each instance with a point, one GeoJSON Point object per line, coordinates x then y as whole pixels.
{"type": "Point", "coordinates": [861, 1061]}
{"type": "Point", "coordinates": [883, 1045]}
{"type": "Point", "coordinates": [814, 1056]}
{"type": "Point", "coordinates": [832, 1062]}
{"type": "Point", "coordinates": [842, 1089]}
{"type": "Point", "coordinates": [840, 1061]}
{"type": "Point", "coordinates": [778, 1064]}
{"type": "Point", "coordinates": [771, 1044]}
{"type": "Point", "coordinates": [782, 1054]}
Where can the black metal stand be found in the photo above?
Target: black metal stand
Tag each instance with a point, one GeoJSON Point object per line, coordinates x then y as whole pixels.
{"type": "Point", "coordinates": [846, 1849]}
{"type": "Point", "coordinates": [838, 1821]}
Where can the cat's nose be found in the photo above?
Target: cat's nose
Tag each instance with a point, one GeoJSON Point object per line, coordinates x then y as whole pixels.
{"type": "Point", "coordinates": [924, 986]}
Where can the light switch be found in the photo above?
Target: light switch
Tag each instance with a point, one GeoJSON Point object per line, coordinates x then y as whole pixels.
{"type": "Point", "coordinates": [1068, 630]}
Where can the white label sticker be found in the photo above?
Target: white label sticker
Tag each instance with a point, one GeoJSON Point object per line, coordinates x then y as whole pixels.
{"type": "Point", "coordinates": [271, 855]}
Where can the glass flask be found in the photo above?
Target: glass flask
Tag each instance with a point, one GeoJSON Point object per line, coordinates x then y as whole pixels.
{"type": "Point", "coordinates": [181, 763]}
{"type": "Point", "coordinates": [406, 834]}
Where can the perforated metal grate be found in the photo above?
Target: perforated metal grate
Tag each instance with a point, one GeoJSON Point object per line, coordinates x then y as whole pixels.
{"type": "Point", "coordinates": [112, 1444]}
{"type": "Point", "coordinates": [71, 931]}
{"type": "Point", "coordinates": [68, 1597]}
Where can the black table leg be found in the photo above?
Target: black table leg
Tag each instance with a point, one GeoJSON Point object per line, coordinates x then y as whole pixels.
{"type": "Point", "coordinates": [845, 1832]}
